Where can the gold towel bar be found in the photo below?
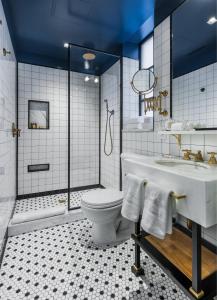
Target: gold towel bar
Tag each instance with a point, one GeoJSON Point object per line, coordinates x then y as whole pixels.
{"type": "Point", "coordinates": [174, 195]}
{"type": "Point", "coordinates": [177, 196]}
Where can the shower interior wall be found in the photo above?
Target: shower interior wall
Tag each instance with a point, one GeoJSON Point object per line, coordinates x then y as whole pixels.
{"type": "Point", "coordinates": [87, 127]}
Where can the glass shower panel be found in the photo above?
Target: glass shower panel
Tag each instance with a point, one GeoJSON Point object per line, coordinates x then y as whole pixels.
{"type": "Point", "coordinates": [86, 66]}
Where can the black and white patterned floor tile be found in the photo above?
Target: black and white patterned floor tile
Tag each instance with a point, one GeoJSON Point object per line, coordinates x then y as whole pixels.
{"type": "Point", "coordinates": [62, 263]}
{"type": "Point", "coordinates": [36, 203]}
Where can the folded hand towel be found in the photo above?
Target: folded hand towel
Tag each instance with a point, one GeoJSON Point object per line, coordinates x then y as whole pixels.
{"type": "Point", "coordinates": [178, 126]}
{"type": "Point", "coordinates": [157, 211]}
{"type": "Point", "coordinates": [133, 197]}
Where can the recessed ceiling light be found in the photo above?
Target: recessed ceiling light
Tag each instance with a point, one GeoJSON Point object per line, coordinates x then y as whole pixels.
{"type": "Point", "coordinates": [212, 21]}
{"type": "Point", "coordinates": [96, 79]}
{"type": "Point", "coordinates": [87, 78]}
{"type": "Point", "coordinates": [66, 45]}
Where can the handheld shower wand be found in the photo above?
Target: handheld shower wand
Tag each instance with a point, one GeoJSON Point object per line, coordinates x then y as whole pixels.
{"type": "Point", "coordinates": [109, 114]}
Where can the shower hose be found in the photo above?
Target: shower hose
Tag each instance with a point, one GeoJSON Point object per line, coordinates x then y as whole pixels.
{"type": "Point", "coordinates": [108, 124]}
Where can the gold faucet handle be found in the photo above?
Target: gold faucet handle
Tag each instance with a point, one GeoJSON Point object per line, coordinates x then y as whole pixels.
{"type": "Point", "coordinates": [212, 160]}
{"type": "Point", "coordinates": [187, 153]}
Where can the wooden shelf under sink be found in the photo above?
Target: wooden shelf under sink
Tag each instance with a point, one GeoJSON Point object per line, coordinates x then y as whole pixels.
{"type": "Point", "coordinates": [177, 248]}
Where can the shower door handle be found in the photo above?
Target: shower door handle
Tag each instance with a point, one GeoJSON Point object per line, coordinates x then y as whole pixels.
{"type": "Point", "coordinates": [15, 131]}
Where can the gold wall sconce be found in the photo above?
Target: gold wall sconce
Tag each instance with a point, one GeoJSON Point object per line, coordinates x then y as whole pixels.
{"type": "Point", "coordinates": [155, 103]}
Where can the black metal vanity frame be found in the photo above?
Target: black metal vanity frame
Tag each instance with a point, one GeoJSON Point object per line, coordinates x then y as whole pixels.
{"type": "Point", "coordinates": [202, 289]}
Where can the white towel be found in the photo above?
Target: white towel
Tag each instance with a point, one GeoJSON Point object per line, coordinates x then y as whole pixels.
{"type": "Point", "coordinates": [157, 212]}
{"type": "Point", "coordinates": [133, 197]}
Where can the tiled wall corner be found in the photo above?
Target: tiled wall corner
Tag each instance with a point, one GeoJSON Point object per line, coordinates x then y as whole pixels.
{"type": "Point", "coordinates": [110, 90]}
{"type": "Point", "coordinates": [7, 117]}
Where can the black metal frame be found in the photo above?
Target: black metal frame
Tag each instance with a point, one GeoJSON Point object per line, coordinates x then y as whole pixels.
{"type": "Point", "coordinates": [48, 112]}
{"type": "Point", "coordinates": [194, 289]}
{"type": "Point", "coordinates": [69, 116]}
{"type": "Point", "coordinates": [140, 66]}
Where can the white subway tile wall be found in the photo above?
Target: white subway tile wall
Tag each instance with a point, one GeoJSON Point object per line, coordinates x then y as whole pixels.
{"type": "Point", "coordinates": [51, 146]}
{"type": "Point", "coordinates": [110, 90]}
{"type": "Point", "coordinates": [7, 117]}
{"type": "Point", "coordinates": [192, 104]}
{"type": "Point", "coordinates": [153, 144]}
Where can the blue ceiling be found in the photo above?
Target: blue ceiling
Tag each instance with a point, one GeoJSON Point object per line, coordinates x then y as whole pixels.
{"type": "Point", "coordinates": [194, 41]}
{"type": "Point", "coordinates": [40, 27]}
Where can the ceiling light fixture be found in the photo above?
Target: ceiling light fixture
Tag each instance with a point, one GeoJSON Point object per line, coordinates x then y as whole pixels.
{"type": "Point", "coordinates": [87, 78]}
{"type": "Point", "coordinates": [212, 21]}
{"type": "Point", "coordinates": [66, 45]}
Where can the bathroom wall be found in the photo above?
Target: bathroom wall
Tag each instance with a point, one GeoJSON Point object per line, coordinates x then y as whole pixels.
{"type": "Point", "coordinates": [152, 143]}
{"type": "Point", "coordinates": [7, 117]}
{"type": "Point", "coordinates": [110, 90]}
{"type": "Point", "coordinates": [51, 146]}
{"type": "Point", "coordinates": [190, 103]}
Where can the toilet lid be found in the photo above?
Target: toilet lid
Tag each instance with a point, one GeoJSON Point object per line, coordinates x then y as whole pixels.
{"type": "Point", "coordinates": [102, 198]}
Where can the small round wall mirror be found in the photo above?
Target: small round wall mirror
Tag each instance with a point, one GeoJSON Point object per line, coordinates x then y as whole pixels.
{"type": "Point", "coordinates": [143, 81]}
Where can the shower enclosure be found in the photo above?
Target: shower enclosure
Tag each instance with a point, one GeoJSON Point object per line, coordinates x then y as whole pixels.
{"type": "Point", "coordinates": [64, 117]}
{"type": "Point", "coordinates": [93, 120]}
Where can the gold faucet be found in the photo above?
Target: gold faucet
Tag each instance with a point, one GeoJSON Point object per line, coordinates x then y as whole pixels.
{"type": "Point", "coordinates": [197, 156]}
{"type": "Point", "coordinates": [186, 154]}
{"type": "Point", "coordinates": [212, 160]}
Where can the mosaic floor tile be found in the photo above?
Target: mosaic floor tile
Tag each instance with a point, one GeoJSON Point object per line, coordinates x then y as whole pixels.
{"type": "Point", "coordinates": [62, 263]}
{"type": "Point", "coordinates": [36, 203]}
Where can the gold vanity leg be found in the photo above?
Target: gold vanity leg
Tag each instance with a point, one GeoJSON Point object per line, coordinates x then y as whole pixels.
{"type": "Point", "coordinates": [195, 294]}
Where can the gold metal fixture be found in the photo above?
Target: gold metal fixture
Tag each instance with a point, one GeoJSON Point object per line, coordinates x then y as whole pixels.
{"type": "Point", "coordinates": [62, 200]}
{"type": "Point", "coordinates": [189, 224]}
{"type": "Point", "coordinates": [174, 195]}
{"type": "Point", "coordinates": [197, 156]}
{"type": "Point", "coordinates": [195, 294]}
{"type": "Point", "coordinates": [187, 153]}
{"type": "Point", "coordinates": [178, 139]}
{"type": "Point", "coordinates": [177, 196]}
{"type": "Point", "coordinates": [5, 52]}
{"type": "Point", "coordinates": [15, 131]}
{"type": "Point", "coordinates": [212, 160]}
{"type": "Point", "coordinates": [155, 103]}
{"type": "Point", "coordinates": [89, 56]}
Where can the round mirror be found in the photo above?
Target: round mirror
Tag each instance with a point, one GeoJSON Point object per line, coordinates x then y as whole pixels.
{"type": "Point", "coordinates": [143, 81]}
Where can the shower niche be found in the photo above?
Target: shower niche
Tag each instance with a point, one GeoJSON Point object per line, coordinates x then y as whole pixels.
{"type": "Point", "coordinates": [38, 114]}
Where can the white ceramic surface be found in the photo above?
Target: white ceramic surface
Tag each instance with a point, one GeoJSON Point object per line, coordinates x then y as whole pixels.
{"type": "Point", "coordinates": [199, 185]}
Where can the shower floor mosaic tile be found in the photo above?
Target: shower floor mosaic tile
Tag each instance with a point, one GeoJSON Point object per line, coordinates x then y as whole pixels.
{"type": "Point", "coordinates": [62, 263]}
{"type": "Point", "coordinates": [36, 203]}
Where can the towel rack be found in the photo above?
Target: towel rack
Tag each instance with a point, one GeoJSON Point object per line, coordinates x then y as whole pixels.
{"type": "Point", "coordinates": [175, 195]}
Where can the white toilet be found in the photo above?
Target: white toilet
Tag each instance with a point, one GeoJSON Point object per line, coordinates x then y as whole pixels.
{"type": "Point", "coordinates": [103, 209]}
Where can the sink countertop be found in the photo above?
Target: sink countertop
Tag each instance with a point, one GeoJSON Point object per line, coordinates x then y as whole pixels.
{"type": "Point", "coordinates": [208, 174]}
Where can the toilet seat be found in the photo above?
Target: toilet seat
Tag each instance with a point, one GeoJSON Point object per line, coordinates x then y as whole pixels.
{"type": "Point", "coordinates": [104, 198]}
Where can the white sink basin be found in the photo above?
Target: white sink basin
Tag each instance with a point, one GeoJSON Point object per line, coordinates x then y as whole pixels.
{"type": "Point", "coordinates": [198, 181]}
{"type": "Point", "coordinates": [182, 164]}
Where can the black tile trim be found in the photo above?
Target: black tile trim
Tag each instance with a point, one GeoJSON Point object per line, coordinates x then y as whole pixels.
{"type": "Point", "coordinates": [53, 192]}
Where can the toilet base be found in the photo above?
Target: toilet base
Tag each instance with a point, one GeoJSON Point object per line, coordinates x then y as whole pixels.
{"type": "Point", "coordinates": [103, 233]}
